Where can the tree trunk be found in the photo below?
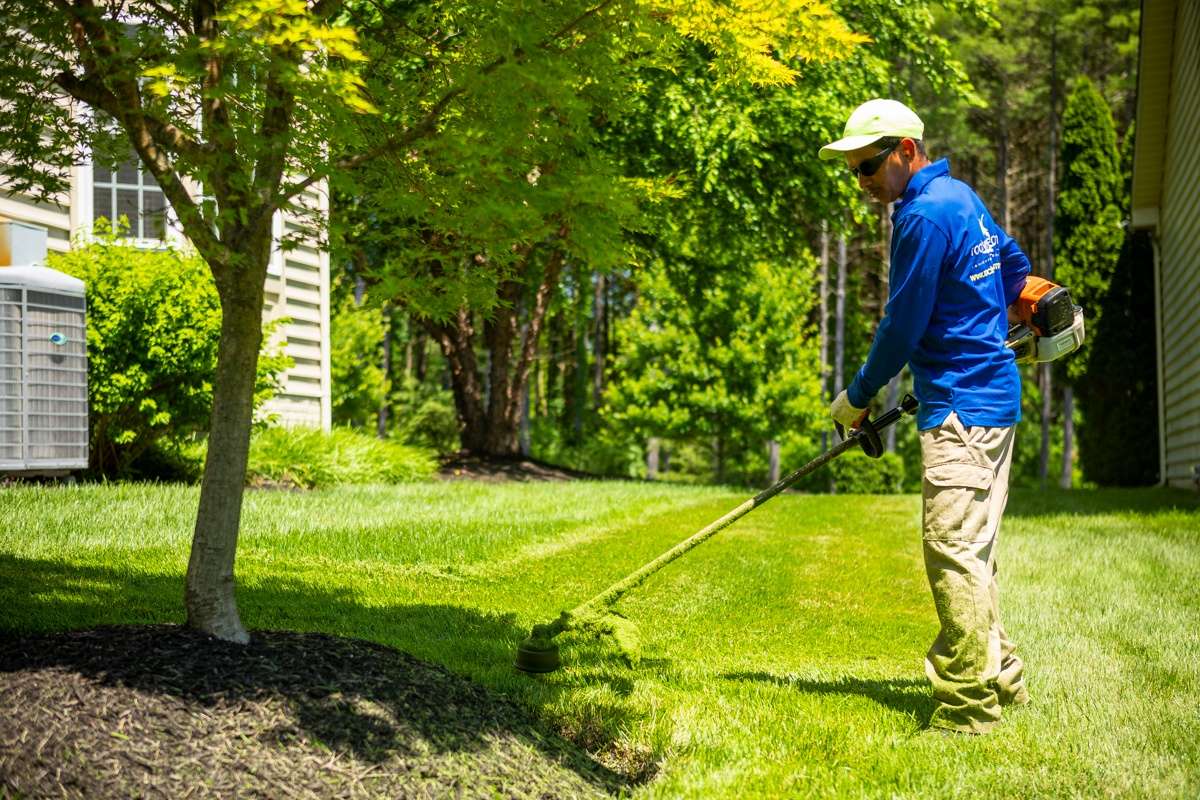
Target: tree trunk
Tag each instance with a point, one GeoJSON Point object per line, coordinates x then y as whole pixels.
{"type": "Point", "coordinates": [839, 321]}
{"type": "Point", "coordinates": [893, 389]}
{"type": "Point", "coordinates": [599, 339]}
{"type": "Point", "coordinates": [893, 400]}
{"type": "Point", "coordinates": [652, 458]}
{"type": "Point", "coordinates": [1002, 201]}
{"type": "Point", "coordinates": [823, 340]}
{"type": "Point", "coordinates": [209, 586]}
{"type": "Point", "coordinates": [1068, 411]}
{"type": "Point", "coordinates": [839, 331]}
{"type": "Point", "coordinates": [1047, 409]}
{"type": "Point", "coordinates": [772, 462]}
{"type": "Point", "coordinates": [525, 444]}
{"type": "Point", "coordinates": [579, 388]}
{"type": "Point", "coordinates": [385, 401]}
{"type": "Point", "coordinates": [491, 420]}
{"type": "Point", "coordinates": [1051, 184]}
{"type": "Point", "coordinates": [456, 340]}
{"type": "Point", "coordinates": [718, 460]}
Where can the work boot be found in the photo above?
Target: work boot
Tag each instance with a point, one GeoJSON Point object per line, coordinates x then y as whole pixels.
{"type": "Point", "coordinates": [1013, 697]}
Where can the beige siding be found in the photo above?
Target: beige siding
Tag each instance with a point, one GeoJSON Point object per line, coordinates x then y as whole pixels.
{"type": "Point", "coordinates": [54, 217]}
{"type": "Point", "coordinates": [297, 287]}
{"type": "Point", "coordinates": [1179, 232]}
{"type": "Point", "coordinates": [298, 290]}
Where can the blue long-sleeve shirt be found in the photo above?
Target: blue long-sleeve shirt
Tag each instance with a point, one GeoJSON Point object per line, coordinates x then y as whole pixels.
{"type": "Point", "coordinates": [954, 272]}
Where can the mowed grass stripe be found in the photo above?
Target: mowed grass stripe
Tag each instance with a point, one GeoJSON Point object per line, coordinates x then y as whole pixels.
{"type": "Point", "coordinates": [783, 658]}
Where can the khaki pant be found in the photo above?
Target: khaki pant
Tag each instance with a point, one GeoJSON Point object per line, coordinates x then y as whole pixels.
{"type": "Point", "coordinates": [971, 664]}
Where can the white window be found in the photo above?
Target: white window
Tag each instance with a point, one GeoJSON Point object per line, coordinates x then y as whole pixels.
{"type": "Point", "coordinates": [132, 192]}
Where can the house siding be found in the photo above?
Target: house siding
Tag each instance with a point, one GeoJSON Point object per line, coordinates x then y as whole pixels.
{"type": "Point", "coordinates": [297, 288]}
{"type": "Point", "coordinates": [1179, 256]}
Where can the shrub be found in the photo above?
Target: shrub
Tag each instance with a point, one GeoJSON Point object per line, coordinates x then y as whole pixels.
{"type": "Point", "coordinates": [424, 416]}
{"type": "Point", "coordinates": [310, 458]}
{"type": "Point", "coordinates": [153, 322]}
{"type": "Point", "coordinates": [358, 381]}
{"type": "Point", "coordinates": [855, 473]}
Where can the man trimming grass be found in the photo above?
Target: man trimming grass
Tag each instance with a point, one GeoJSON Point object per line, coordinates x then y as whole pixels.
{"type": "Point", "coordinates": [954, 273]}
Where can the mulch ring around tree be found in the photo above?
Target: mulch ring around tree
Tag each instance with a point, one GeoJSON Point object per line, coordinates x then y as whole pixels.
{"type": "Point", "coordinates": [164, 711]}
{"type": "Point", "coordinates": [467, 466]}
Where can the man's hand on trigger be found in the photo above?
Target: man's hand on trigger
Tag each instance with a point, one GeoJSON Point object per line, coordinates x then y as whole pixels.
{"type": "Point", "coordinates": [844, 413]}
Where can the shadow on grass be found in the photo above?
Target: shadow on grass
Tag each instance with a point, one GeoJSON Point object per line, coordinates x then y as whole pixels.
{"type": "Point", "coordinates": [335, 687]}
{"type": "Point", "coordinates": [909, 696]}
{"type": "Point", "coordinates": [1084, 502]}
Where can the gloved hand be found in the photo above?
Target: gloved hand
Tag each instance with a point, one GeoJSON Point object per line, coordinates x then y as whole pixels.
{"type": "Point", "coordinates": [844, 413]}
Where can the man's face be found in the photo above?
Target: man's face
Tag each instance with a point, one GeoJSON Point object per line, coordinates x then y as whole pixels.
{"type": "Point", "coordinates": [890, 176]}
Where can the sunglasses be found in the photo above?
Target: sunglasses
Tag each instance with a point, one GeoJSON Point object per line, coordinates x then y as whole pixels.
{"type": "Point", "coordinates": [869, 166]}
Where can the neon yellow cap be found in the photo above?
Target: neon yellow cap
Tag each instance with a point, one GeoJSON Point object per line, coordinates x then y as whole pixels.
{"type": "Point", "coordinates": [872, 121]}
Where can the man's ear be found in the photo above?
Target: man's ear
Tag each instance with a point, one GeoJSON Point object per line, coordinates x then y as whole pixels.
{"type": "Point", "coordinates": [909, 147]}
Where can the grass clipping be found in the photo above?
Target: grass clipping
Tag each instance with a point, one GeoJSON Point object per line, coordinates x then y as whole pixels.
{"type": "Point", "coordinates": [609, 624]}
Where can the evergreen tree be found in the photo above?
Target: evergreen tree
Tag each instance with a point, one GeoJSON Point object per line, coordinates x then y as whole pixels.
{"type": "Point", "coordinates": [1088, 239]}
{"type": "Point", "coordinates": [1088, 231]}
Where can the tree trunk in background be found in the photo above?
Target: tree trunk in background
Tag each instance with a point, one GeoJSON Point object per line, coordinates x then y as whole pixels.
{"type": "Point", "coordinates": [523, 437]}
{"type": "Point", "coordinates": [579, 387]}
{"type": "Point", "coordinates": [1068, 410]}
{"type": "Point", "coordinates": [456, 339]}
{"type": "Point", "coordinates": [1051, 185]}
{"type": "Point", "coordinates": [1002, 201]}
{"type": "Point", "coordinates": [599, 339]}
{"type": "Point", "coordinates": [385, 402]}
{"type": "Point", "coordinates": [490, 414]}
{"type": "Point", "coordinates": [839, 320]}
{"type": "Point", "coordinates": [719, 458]}
{"type": "Point", "coordinates": [772, 462]}
{"type": "Point", "coordinates": [823, 340]}
{"type": "Point", "coordinates": [893, 388]}
{"type": "Point", "coordinates": [893, 400]}
{"type": "Point", "coordinates": [652, 459]}
{"type": "Point", "coordinates": [839, 331]}
{"type": "Point", "coordinates": [209, 585]}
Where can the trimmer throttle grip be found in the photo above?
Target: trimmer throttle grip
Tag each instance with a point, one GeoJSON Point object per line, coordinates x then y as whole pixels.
{"type": "Point", "coordinates": [867, 434]}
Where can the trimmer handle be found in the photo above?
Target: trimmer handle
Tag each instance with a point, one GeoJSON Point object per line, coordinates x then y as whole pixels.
{"type": "Point", "coordinates": [867, 434]}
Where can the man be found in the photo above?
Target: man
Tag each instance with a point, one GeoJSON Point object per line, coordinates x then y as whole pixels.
{"type": "Point", "coordinates": [954, 273]}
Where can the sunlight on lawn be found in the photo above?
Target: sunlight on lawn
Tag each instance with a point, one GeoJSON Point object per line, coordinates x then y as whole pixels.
{"type": "Point", "coordinates": [784, 657]}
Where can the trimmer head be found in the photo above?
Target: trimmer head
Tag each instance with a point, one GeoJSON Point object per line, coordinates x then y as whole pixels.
{"type": "Point", "coordinates": [535, 656]}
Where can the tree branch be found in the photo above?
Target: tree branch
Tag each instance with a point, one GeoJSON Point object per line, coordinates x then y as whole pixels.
{"type": "Point", "coordinates": [429, 123]}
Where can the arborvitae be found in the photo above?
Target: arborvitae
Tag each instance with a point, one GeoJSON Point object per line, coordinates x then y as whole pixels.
{"type": "Point", "coordinates": [1087, 225]}
{"type": "Point", "coordinates": [1111, 278]}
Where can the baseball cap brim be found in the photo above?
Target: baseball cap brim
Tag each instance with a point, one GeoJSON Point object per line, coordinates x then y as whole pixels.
{"type": "Point", "coordinates": [847, 144]}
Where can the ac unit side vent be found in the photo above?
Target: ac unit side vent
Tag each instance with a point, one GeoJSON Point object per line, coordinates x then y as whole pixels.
{"type": "Point", "coordinates": [43, 375]}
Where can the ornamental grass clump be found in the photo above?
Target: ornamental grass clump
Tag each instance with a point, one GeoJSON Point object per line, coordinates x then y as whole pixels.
{"type": "Point", "coordinates": [310, 458]}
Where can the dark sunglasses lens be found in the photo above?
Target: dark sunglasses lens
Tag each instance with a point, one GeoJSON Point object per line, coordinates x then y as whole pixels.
{"type": "Point", "coordinates": [871, 165]}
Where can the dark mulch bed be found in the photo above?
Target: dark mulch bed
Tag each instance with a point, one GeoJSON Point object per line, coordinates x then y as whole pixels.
{"type": "Point", "coordinates": [163, 711]}
{"type": "Point", "coordinates": [465, 466]}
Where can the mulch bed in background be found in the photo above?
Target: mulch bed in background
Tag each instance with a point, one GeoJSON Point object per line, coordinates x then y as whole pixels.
{"type": "Point", "coordinates": [464, 466]}
{"type": "Point", "coordinates": [163, 711]}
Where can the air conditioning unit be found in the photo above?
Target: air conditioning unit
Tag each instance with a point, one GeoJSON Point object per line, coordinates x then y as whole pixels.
{"type": "Point", "coordinates": [43, 359]}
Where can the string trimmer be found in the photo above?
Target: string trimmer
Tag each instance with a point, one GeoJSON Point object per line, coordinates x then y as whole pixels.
{"type": "Point", "coordinates": [539, 653]}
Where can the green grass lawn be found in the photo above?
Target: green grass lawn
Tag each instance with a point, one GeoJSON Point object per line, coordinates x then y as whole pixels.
{"type": "Point", "coordinates": [782, 658]}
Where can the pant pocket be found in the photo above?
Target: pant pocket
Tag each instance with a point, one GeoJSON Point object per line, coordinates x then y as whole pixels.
{"type": "Point", "coordinates": [955, 501]}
